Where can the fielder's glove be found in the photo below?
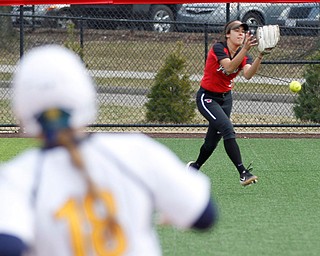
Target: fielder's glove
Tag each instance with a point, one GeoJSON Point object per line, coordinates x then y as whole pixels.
{"type": "Point", "coordinates": [268, 36]}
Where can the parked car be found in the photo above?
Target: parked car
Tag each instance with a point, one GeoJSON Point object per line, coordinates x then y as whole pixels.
{"type": "Point", "coordinates": [120, 14]}
{"type": "Point", "coordinates": [35, 15]}
{"type": "Point", "coordinates": [192, 17]}
{"type": "Point", "coordinates": [301, 19]}
{"type": "Point", "coordinates": [28, 10]}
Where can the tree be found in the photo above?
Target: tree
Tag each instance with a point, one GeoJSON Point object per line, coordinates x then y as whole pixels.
{"type": "Point", "coordinates": [170, 98]}
{"type": "Point", "coordinates": [71, 41]}
{"type": "Point", "coordinates": [307, 104]}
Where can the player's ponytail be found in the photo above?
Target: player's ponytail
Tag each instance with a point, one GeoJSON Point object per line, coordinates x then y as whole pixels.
{"type": "Point", "coordinates": [67, 138]}
{"type": "Point", "coordinates": [56, 131]}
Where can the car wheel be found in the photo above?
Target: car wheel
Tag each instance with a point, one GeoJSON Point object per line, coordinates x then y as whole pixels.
{"type": "Point", "coordinates": [162, 13]}
{"type": "Point", "coordinates": [254, 19]}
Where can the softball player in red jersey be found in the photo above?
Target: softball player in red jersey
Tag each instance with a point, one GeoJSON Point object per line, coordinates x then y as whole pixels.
{"type": "Point", "coordinates": [214, 99]}
{"type": "Point", "coordinates": [83, 194]}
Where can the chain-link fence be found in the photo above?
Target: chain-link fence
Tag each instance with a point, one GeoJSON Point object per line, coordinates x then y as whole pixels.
{"type": "Point", "coordinates": [125, 46]}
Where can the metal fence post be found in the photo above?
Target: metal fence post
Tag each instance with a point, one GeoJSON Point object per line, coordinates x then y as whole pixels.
{"type": "Point", "coordinates": [21, 31]}
{"type": "Point", "coordinates": [227, 12]}
{"type": "Point", "coordinates": [206, 43]}
{"type": "Point", "coordinates": [81, 36]}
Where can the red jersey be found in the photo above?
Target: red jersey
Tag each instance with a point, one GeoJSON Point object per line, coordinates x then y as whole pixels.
{"type": "Point", "coordinates": [215, 78]}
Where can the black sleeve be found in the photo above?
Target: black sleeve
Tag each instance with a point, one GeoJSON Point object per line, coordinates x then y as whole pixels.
{"type": "Point", "coordinates": [208, 217]}
{"type": "Point", "coordinates": [219, 51]}
{"type": "Point", "coordinates": [11, 246]}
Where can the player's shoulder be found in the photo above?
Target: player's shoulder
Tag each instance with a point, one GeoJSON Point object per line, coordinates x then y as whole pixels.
{"type": "Point", "coordinates": [24, 158]}
{"type": "Point", "coordinates": [219, 46]}
{"type": "Point", "coordinates": [122, 137]}
{"type": "Point", "coordinates": [219, 50]}
{"type": "Point", "coordinates": [133, 144]}
{"type": "Point", "coordinates": [21, 167]}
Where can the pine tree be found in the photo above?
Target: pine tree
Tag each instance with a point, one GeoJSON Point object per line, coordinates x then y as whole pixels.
{"type": "Point", "coordinates": [170, 98]}
{"type": "Point", "coordinates": [307, 104]}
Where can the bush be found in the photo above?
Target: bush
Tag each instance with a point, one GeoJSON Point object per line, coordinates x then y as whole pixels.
{"type": "Point", "coordinates": [72, 42]}
{"type": "Point", "coordinates": [307, 104]}
{"type": "Point", "coordinates": [170, 98]}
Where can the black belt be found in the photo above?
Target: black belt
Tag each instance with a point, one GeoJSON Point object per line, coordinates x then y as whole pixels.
{"type": "Point", "coordinates": [217, 94]}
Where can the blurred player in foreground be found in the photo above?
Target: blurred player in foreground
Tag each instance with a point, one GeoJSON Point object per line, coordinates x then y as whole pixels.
{"type": "Point", "coordinates": [83, 194]}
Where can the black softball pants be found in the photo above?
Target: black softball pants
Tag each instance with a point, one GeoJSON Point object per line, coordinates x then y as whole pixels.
{"type": "Point", "coordinates": [216, 108]}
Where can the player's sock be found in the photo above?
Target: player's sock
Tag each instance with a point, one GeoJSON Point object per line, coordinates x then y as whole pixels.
{"type": "Point", "coordinates": [233, 152]}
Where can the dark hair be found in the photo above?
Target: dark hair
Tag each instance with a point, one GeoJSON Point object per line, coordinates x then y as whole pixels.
{"type": "Point", "coordinates": [227, 27]}
{"type": "Point", "coordinates": [230, 26]}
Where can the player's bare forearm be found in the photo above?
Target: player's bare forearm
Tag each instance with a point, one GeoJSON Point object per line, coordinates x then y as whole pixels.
{"type": "Point", "coordinates": [249, 72]}
{"type": "Point", "coordinates": [231, 65]}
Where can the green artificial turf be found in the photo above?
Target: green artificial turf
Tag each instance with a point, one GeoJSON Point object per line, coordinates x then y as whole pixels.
{"type": "Point", "coordinates": [10, 147]}
{"type": "Point", "coordinates": [278, 216]}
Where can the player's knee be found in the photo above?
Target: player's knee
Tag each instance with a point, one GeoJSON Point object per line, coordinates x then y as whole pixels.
{"type": "Point", "coordinates": [228, 133]}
